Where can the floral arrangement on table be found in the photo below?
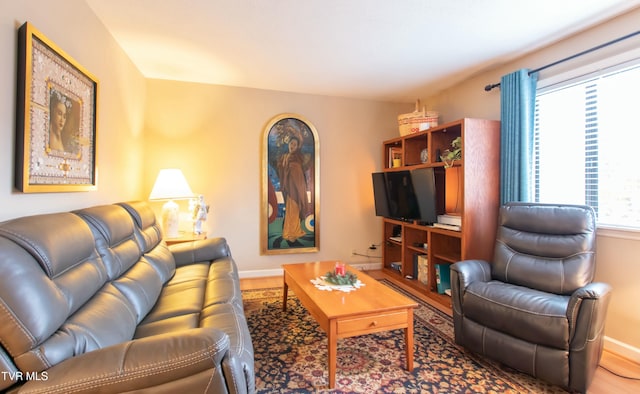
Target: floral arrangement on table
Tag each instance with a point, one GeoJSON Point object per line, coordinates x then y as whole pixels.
{"type": "Point", "coordinates": [338, 279]}
{"type": "Point", "coordinates": [346, 279]}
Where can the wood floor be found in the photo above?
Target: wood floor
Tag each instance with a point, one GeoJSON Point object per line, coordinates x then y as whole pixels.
{"type": "Point", "coordinates": [607, 378]}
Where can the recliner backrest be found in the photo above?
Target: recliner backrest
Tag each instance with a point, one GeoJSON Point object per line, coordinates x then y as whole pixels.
{"type": "Point", "coordinates": [545, 246]}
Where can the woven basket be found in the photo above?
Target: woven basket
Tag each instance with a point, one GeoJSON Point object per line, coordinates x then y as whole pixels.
{"type": "Point", "coordinates": [417, 120]}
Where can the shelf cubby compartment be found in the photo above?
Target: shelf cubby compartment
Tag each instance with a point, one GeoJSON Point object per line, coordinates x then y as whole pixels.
{"type": "Point", "coordinates": [441, 141]}
{"type": "Point", "coordinates": [395, 145]}
{"type": "Point", "coordinates": [413, 146]}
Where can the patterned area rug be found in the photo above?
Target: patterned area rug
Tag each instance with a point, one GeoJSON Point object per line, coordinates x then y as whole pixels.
{"type": "Point", "coordinates": [291, 355]}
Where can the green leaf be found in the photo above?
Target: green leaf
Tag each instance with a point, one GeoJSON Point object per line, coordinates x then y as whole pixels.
{"type": "Point", "coordinates": [341, 280]}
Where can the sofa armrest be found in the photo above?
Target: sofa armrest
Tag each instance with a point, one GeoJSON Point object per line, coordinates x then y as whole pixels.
{"type": "Point", "coordinates": [201, 250]}
{"type": "Point", "coordinates": [193, 355]}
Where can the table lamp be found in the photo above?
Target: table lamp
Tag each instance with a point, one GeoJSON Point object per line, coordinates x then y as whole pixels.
{"type": "Point", "coordinates": [170, 185]}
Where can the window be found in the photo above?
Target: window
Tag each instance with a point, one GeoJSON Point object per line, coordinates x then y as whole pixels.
{"type": "Point", "coordinates": [587, 144]}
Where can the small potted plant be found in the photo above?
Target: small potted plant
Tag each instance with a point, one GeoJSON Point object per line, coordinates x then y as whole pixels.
{"type": "Point", "coordinates": [452, 154]}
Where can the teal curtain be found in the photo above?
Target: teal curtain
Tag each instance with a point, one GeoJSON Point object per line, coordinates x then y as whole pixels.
{"type": "Point", "coordinates": [517, 106]}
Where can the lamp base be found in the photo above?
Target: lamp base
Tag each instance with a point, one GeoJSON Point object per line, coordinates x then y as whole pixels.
{"type": "Point", "coordinates": [170, 219]}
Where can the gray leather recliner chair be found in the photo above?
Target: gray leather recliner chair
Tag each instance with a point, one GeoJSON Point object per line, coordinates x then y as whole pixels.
{"type": "Point", "coordinates": [535, 308]}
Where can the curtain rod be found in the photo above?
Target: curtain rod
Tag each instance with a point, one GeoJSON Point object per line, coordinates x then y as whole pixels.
{"type": "Point", "coordinates": [606, 44]}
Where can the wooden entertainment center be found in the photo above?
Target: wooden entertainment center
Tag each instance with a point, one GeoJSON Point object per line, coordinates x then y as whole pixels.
{"type": "Point", "coordinates": [477, 204]}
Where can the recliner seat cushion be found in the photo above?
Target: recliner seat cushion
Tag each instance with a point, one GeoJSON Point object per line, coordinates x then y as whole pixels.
{"type": "Point", "coordinates": [523, 313]}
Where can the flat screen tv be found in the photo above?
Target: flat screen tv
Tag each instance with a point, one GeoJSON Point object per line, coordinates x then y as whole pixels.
{"type": "Point", "coordinates": [380, 194]}
{"type": "Point", "coordinates": [424, 187]}
{"type": "Point", "coordinates": [406, 195]}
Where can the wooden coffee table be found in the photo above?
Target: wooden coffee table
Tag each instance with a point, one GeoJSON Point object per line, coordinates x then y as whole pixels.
{"type": "Point", "coordinates": [371, 308]}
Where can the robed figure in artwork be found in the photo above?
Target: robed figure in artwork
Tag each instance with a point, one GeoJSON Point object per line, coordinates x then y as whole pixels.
{"type": "Point", "coordinates": [294, 185]}
{"type": "Point", "coordinates": [290, 187]}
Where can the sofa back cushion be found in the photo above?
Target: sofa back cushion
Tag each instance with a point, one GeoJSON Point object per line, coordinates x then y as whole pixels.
{"type": "Point", "coordinates": [112, 228]}
{"type": "Point", "coordinates": [55, 299]}
{"type": "Point", "coordinates": [138, 278]}
{"type": "Point", "coordinates": [75, 282]}
{"type": "Point", "coordinates": [545, 247]}
{"type": "Point", "coordinates": [148, 231]}
{"type": "Point", "coordinates": [149, 236]}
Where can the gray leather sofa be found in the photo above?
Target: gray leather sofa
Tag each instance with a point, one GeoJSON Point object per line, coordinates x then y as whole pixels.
{"type": "Point", "coordinates": [535, 307]}
{"type": "Point", "coordinates": [95, 301]}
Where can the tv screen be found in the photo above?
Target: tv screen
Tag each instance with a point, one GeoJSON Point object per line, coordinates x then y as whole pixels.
{"type": "Point", "coordinates": [424, 186]}
{"type": "Point", "coordinates": [394, 196]}
{"type": "Point", "coordinates": [406, 195]}
{"type": "Point", "coordinates": [400, 195]}
{"type": "Point", "coordinates": [380, 194]}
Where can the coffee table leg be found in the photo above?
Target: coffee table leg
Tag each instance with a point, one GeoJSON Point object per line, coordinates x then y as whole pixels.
{"type": "Point", "coordinates": [333, 353]}
{"type": "Point", "coordinates": [285, 291]}
{"type": "Point", "coordinates": [408, 339]}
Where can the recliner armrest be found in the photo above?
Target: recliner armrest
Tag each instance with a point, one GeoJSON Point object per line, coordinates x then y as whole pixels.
{"type": "Point", "coordinates": [597, 295]}
{"type": "Point", "coordinates": [471, 271]}
{"type": "Point", "coordinates": [586, 312]}
{"type": "Point", "coordinates": [149, 362]}
{"type": "Point", "coordinates": [463, 273]}
{"type": "Point", "coordinates": [201, 250]}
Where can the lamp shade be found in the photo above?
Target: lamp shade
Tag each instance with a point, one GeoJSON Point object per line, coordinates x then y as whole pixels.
{"type": "Point", "coordinates": [170, 184]}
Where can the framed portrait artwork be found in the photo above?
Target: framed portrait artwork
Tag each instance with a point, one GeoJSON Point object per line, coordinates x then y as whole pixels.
{"type": "Point", "coordinates": [290, 186]}
{"type": "Point", "coordinates": [56, 118]}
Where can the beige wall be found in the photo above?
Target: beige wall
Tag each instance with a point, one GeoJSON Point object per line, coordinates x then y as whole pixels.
{"type": "Point", "coordinates": [73, 27]}
{"type": "Point", "coordinates": [617, 257]}
{"type": "Point", "coordinates": [214, 134]}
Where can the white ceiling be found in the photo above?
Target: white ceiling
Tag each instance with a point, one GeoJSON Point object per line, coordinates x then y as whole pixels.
{"type": "Point", "coordinates": [373, 49]}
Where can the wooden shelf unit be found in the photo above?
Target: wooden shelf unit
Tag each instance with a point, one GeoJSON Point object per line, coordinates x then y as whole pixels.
{"type": "Point", "coordinates": [478, 204]}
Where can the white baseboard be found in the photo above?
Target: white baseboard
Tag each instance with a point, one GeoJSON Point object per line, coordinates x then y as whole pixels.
{"type": "Point", "coordinates": [260, 273]}
{"type": "Point", "coordinates": [622, 349]}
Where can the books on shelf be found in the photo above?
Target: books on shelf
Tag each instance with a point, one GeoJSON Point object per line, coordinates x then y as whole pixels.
{"type": "Point", "coordinates": [447, 226]}
{"type": "Point", "coordinates": [397, 239]}
{"type": "Point", "coordinates": [394, 153]}
{"type": "Point", "coordinates": [443, 280]}
{"type": "Point", "coordinates": [421, 268]}
{"type": "Point", "coordinates": [396, 265]}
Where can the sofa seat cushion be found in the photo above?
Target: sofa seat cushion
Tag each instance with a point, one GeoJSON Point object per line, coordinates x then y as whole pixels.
{"type": "Point", "coordinates": [527, 314]}
{"type": "Point", "coordinates": [200, 295]}
{"type": "Point", "coordinates": [180, 302]}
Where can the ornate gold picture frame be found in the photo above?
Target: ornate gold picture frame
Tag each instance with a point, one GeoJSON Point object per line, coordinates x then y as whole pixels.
{"type": "Point", "coordinates": [56, 118]}
{"type": "Point", "coordinates": [290, 207]}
